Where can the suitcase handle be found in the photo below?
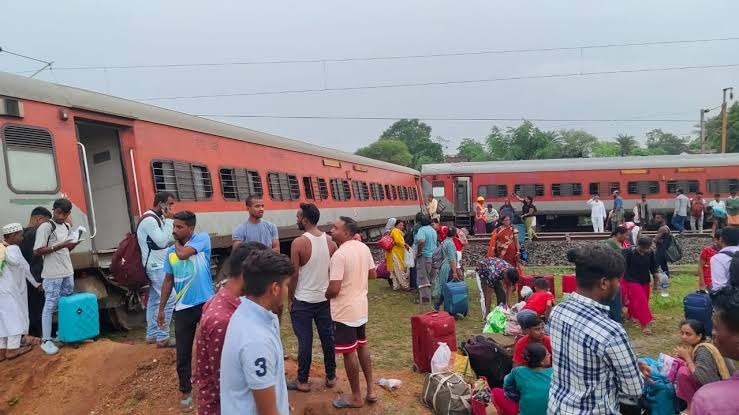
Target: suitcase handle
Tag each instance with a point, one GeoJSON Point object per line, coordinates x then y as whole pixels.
{"type": "Point", "coordinates": [78, 311]}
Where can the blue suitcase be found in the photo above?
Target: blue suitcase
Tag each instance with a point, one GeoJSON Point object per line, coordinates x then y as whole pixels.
{"type": "Point", "coordinates": [456, 300]}
{"type": "Point", "coordinates": [78, 318]}
{"type": "Point", "coordinates": [698, 306]}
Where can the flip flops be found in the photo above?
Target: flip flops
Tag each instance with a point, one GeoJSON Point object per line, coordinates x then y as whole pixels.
{"type": "Point", "coordinates": [342, 403]}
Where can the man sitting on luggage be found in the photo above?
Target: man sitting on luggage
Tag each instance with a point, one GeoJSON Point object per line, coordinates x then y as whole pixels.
{"type": "Point", "coordinates": [533, 327]}
{"type": "Point", "coordinates": [541, 301]}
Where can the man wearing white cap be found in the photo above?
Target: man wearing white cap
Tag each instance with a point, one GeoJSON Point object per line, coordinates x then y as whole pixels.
{"type": "Point", "coordinates": [14, 272]}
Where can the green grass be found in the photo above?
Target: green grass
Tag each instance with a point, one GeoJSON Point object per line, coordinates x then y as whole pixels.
{"type": "Point", "coordinates": [389, 332]}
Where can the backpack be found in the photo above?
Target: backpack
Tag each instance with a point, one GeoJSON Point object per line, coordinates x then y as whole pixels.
{"type": "Point", "coordinates": [696, 209]}
{"type": "Point", "coordinates": [53, 230]}
{"type": "Point", "coordinates": [126, 266]}
{"type": "Point", "coordinates": [446, 393]}
{"type": "Point", "coordinates": [733, 268]}
{"type": "Point", "coordinates": [488, 359]}
{"type": "Point", "coordinates": [437, 258]}
{"type": "Point", "coordinates": [674, 249]}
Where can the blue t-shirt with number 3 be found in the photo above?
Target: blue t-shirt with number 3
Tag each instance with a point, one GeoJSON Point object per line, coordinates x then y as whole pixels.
{"type": "Point", "coordinates": [252, 359]}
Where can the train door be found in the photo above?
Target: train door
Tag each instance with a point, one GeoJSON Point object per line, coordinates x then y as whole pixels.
{"type": "Point", "coordinates": [108, 211]}
{"type": "Point", "coordinates": [461, 194]}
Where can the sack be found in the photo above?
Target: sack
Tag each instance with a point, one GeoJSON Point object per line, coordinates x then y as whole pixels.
{"type": "Point", "coordinates": [669, 366]}
{"type": "Point", "coordinates": [446, 393]}
{"type": "Point", "coordinates": [696, 208]}
{"type": "Point", "coordinates": [437, 258]}
{"type": "Point", "coordinates": [382, 271]}
{"type": "Point", "coordinates": [127, 266]}
{"type": "Point", "coordinates": [409, 258]}
{"type": "Point", "coordinates": [660, 394]}
{"type": "Point", "coordinates": [386, 243]}
{"type": "Point", "coordinates": [512, 328]}
{"type": "Point", "coordinates": [674, 249]}
{"type": "Point", "coordinates": [440, 362]}
{"type": "Point", "coordinates": [495, 321]}
{"type": "Point", "coordinates": [488, 359]}
{"type": "Point", "coordinates": [462, 367]}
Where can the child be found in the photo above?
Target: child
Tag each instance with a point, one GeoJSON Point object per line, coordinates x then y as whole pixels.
{"type": "Point", "coordinates": [704, 262]}
{"type": "Point", "coordinates": [526, 388]}
{"type": "Point", "coordinates": [533, 328]}
{"type": "Point", "coordinates": [541, 301]}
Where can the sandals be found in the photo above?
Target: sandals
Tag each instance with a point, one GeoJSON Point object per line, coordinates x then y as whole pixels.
{"type": "Point", "coordinates": [330, 383]}
{"type": "Point", "coordinates": [371, 399]}
{"type": "Point", "coordinates": [342, 403]}
{"type": "Point", "coordinates": [295, 385]}
{"type": "Point", "coordinates": [186, 404]}
{"type": "Point", "coordinates": [19, 352]}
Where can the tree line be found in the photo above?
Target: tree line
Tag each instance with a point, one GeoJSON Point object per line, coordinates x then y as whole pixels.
{"type": "Point", "coordinates": [408, 142]}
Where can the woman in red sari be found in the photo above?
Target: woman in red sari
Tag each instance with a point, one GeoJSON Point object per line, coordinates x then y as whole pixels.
{"type": "Point", "coordinates": [504, 243]}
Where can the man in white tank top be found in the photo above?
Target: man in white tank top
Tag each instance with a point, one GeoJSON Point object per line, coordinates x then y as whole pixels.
{"type": "Point", "coordinates": [311, 257]}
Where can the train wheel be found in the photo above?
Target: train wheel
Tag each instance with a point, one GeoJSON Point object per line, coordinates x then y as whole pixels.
{"type": "Point", "coordinates": [118, 318]}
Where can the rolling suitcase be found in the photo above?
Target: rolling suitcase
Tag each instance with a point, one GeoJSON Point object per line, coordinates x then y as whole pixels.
{"type": "Point", "coordinates": [569, 284]}
{"type": "Point", "coordinates": [456, 299]}
{"type": "Point", "coordinates": [78, 317]}
{"type": "Point", "coordinates": [427, 330]}
{"type": "Point", "coordinates": [528, 280]}
{"type": "Point", "coordinates": [698, 306]}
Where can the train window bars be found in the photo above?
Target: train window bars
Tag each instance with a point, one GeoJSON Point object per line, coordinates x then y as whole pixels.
{"type": "Point", "coordinates": [566, 189]}
{"type": "Point", "coordinates": [644, 187]}
{"type": "Point", "coordinates": [361, 190]}
{"type": "Point", "coordinates": [30, 164]}
{"type": "Point", "coordinates": [722, 185]}
{"type": "Point", "coordinates": [604, 188]}
{"type": "Point", "coordinates": [492, 190]}
{"type": "Point", "coordinates": [283, 186]}
{"type": "Point", "coordinates": [315, 188]}
{"type": "Point", "coordinates": [688, 186]}
{"type": "Point", "coordinates": [529, 189]}
{"type": "Point", "coordinates": [340, 189]}
{"type": "Point", "coordinates": [239, 184]}
{"type": "Point", "coordinates": [414, 193]}
{"type": "Point", "coordinates": [376, 191]}
{"type": "Point", "coordinates": [187, 181]}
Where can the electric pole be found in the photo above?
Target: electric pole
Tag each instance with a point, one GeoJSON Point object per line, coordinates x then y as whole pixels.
{"type": "Point", "coordinates": [725, 118]}
{"type": "Point", "coordinates": [703, 131]}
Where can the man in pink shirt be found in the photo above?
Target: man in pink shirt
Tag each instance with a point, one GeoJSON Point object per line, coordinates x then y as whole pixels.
{"type": "Point", "coordinates": [217, 313]}
{"type": "Point", "coordinates": [351, 267]}
{"type": "Point", "coordinates": [719, 398]}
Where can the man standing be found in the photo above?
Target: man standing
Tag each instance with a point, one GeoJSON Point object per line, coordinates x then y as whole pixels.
{"type": "Point", "coordinates": [310, 254]}
{"type": "Point", "coordinates": [426, 243]}
{"type": "Point", "coordinates": [39, 215]}
{"type": "Point", "coordinates": [718, 212]}
{"type": "Point", "coordinates": [256, 229]}
{"type": "Point", "coordinates": [681, 211]}
{"type": "Point", "coordinates": [351, 266]}
{"type": "Point", "coordinates": [697, 208]}
{"type": "Point", "coordinates": [593, 363]}
{"type": "Point", "coordinates": [217, 313]}
{"type": "Point", "coordinates": [732, 208]}
{"type": "Point", "coordinates": [187, 269]}
{"type": "Point", "coordinates": [153, 233]}
{"type": "Point", "coordinates": [432, 207]}
{"type": "Point", "coordinates": [597, 213]}
{"type": "Point", "coordinates": [617, 214]}
{"type": "Point", "coordinates": [720, 263]}
{"type": "Point", "coordinates": [642, 212]}
{"type": "Point", "coordinates": [58, 274]}
{"type": "Point", "coordinates": [491, 218]}
{"type": "Point", "coordinates": [252, 363]}
{"type": "Point", "coordinates": [661, 240]}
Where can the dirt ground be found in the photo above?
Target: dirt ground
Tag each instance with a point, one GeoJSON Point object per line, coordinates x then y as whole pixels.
{"type": "Point", "coordinates": [107, 377]}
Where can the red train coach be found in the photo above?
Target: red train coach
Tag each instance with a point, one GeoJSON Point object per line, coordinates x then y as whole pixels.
{"type": "Point", "coordinates": [561, 187]}
{"type": "Point", "coordinates": [110, 155]}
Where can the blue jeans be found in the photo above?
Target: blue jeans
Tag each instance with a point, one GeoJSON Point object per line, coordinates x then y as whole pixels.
{"type": "Point", "coordinates": [54, 288]}
{"type": "Point", "coordinates": [678, 222]}
{"type": "Point", "coordinates": [153, 332]}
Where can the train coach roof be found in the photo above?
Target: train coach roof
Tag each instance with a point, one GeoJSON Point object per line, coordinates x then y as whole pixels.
{"type": "Point", "coordinates": [35, 90]}
{"type": "Point", "coordinates": [595, 163]}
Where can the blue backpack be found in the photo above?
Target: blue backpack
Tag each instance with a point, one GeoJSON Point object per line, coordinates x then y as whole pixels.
{"type": "Point", "coordinates": [660, 395]}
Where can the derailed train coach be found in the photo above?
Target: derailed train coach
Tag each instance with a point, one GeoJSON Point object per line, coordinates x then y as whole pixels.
{"type": "Point", "coordinates": [561, 187]}
{"type": "Point", "coordinates": [110, 155]}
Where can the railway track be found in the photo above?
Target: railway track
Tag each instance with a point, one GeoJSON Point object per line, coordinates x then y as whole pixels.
{"type": "Point", "coordinates": [577, 236]}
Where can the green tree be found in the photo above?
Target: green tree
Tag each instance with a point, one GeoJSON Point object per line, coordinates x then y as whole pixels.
{"type": "Point", "coordinates": [392, 151]}
{"type": "Point", "coordinates": [713, 131]}
{"type": "Point", "coordinates": [470, 149]}
{"type": "Point", "coordinates": [606, 149]}
{"type": "Point", "coordinates": [627, 144]}
{"type": "Point", "coordinates": [416, 136]}
{"type": "Point", "coordinates": [660, 141]}
{"type": "Point", "coordinates": [576, 143]}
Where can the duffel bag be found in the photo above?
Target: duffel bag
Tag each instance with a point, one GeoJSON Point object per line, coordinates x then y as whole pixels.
{"type": "Point", "coordinates": [446, 393]}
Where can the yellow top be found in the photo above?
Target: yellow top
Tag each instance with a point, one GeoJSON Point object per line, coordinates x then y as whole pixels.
{"type": "Point", "coordinates": [397, 253]}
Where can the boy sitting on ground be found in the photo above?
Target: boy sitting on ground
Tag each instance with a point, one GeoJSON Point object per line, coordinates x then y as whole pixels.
{"type": "Point", "coordinates": [533, 328]}
{"type": "Point", "coordinates": [541, 301]}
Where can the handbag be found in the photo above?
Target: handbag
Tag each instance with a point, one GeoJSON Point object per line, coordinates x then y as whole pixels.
{"type": "Point", "coordinates": [386, 243]}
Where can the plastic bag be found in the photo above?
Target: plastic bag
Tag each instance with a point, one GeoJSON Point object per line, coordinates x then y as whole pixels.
{"type": "Point", "coordinates": [409, 258]}
{"type": "Point", "coordinates": [440, 362]}
{"type": "Point", "coordinates": [495, 321]}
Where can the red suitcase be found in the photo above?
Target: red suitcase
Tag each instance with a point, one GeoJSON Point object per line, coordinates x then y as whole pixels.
{"type": "Point", "coordinates": [569, 284]}
{"type": "Point", "coordinates": [428, 329]}
{"type": "Point", "coordinates": [528, 280]}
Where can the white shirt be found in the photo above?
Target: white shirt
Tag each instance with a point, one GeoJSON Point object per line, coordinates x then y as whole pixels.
{"type": "Point", "coordinates": [714, 203]}
{"type": "Point", "coordinates": [252, 359]}
{"type": "Point", "coordinates": [598, 209]}
{"type": "Point", "coordinates": [13, 300]}
{"type": "Point", "coordinates": [313, 276]}
{"type": "Point", "coordinates": [720, 267]}
{"type": "Point", "coordinates": [681, 205]}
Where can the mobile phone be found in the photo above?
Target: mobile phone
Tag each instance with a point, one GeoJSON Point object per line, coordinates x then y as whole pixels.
{"type": "Point", "coordinates": [163, 206]}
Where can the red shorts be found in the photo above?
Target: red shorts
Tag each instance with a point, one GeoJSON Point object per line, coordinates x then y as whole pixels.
{"type": "Point", "coordinates": [348, 339]}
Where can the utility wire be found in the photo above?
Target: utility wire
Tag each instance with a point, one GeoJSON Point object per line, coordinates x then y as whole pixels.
{"type": "Point", "coordinates": [47, 64]}
{"type": "Point", "coordinates": [330, 117]}
{"type": "Point", "coordinates": [395, 57]}
{"type": "Point", "coordinates": [459, 82]}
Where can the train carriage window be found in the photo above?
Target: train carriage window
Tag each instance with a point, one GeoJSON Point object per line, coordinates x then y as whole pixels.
{"type": "Point", "coordinates": [395, 192]}
{"type": "Point", "coordinates": [283, 186]}
{"type": "Point", "coordinates": [722, 185]}
{"type": "Point", "coordinates": [688, 186]}
{"type": "Point", "coordinates": [340, 189]}
{"type": "Point", "coordinates": [361, 190]}
{"type": "Point", "coordinates": [492, 190]}
{"type": "Point", "coordinates": [202, 184]}
{"type": "Point", "coordinates": [322, 189]}
{"type": "Point", "coordinates": [529, 189]}
{"type": "Point", "coordinates": [437, 188]}
{"type": "Point", "coordinates": [308, 187]}
{"type": "Point", "coordinates": [566, 189]}
{"type": "Point", "coordinates": [414, 193]}
{"type": "Point", "coordinates": [376, 191]}
{"type": "Point", "coordinates": [29, 159]}
{"type": "Point", "coordinates": [387, 192]}
{"type": "Point", "coordinates": [315, 188]}
{"type": "Point", "coordinates": [645, 187]}
{"type": "Point", "coordinates": [239, 184]}
{"type": "Point", "coordinates": [402, 193]}
{"type": "Point", "coordinates": [603, 188]}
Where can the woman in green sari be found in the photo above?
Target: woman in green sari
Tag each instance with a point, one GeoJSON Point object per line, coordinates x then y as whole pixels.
{"type": "Point", "coordinates": [448, 269]}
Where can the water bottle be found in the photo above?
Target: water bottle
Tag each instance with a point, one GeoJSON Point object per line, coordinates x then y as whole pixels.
{"type": "Point", "coordinates": [664, 284]}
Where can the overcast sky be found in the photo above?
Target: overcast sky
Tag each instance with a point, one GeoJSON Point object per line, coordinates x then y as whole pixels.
{"type": "Point", "coordinates": [84, 33]}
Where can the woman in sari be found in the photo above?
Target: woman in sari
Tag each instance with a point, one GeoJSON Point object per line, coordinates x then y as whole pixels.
{"type": "Point", "coordinates": [480, 216]}
{"type": "Point", "coordinates": [448, 269]}
{"type": "Point", "coordinates": [504, 243]}
{"type": "Point", "coordinates": [394, 259]}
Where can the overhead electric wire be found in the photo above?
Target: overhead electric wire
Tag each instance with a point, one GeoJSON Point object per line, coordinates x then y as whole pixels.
{"type": "Point", "coordinates": [371, 118]}
{"type": "Point", "coordinates": [395, 57]}
{"type": "Point", "coordinates": [434, 83]}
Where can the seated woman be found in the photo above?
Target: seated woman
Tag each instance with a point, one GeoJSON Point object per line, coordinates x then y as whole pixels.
{"type": "Point", "coordinates": [529, 385]}
{"type": "Point", "coordinates": [703, 362]}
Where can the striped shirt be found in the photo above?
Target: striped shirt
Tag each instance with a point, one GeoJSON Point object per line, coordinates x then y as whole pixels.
{"type": "Point", "coordinates": [594, 365]}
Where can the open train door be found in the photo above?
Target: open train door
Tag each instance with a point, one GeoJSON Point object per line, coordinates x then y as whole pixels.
{"type": "Point", "coordinates": [462, 216]}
